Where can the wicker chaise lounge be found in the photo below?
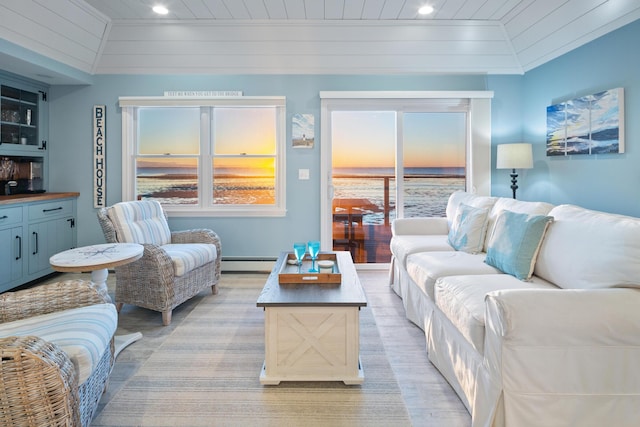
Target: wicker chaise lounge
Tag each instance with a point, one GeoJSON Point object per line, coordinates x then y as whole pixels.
{"type": "Point", "coordinates": [175, 266]}
{"type": "Point", "coordinates": [38, 380]}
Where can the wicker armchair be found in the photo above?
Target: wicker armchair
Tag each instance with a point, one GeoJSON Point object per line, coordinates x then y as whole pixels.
{"type": "Point", "coordinates": [38, 382]}
{"type": "Point", "coordinates": [153, 281]}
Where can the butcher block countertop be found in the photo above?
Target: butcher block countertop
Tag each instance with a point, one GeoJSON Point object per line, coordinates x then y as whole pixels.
{"type": "Point", "coordinates": [22, 198]}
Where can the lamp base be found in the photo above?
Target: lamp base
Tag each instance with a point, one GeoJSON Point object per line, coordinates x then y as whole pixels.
{"type": "Point", "coordinates": [514, 182]}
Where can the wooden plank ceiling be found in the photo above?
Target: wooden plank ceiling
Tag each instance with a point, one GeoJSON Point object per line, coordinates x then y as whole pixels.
{"type": "Point", "coordinates": [308, 36]}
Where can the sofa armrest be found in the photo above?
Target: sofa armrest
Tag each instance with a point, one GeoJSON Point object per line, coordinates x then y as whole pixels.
{"type": "Point", "coordinates": [418, 226]}
{"type": "Point", "coordinates": [48, 298]}
{"type": "Point", "coordinates": [561, 353]}
{"type": "Point", "coordinates": [565, 317]}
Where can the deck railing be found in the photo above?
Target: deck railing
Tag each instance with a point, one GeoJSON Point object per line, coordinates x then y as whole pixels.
{"type": "Point", "coordinates": [371, 244]}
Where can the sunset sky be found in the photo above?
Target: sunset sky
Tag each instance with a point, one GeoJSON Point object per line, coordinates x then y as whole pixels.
{"type": "Point", "coordinates": [359, 138]}
{"type": "Point", "coordinates": [160, 135]}
{"type": "Point", "coordinates": [236, 131]}
{"type": "Point", "coordinates": [367, 139]}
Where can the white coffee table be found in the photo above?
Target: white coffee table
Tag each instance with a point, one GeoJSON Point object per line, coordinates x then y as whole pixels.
{"type": "Point", "coordinates": [98, 259]}
{"type": "Point", "coordinates": [312, 330]}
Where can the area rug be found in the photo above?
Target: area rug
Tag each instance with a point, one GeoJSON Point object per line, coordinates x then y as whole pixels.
{"type": "Point", "coordinates": [206, 373]}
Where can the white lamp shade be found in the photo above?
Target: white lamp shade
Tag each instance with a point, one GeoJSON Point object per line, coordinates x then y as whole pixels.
{"type": "Point", "coordinates": [514, 156]}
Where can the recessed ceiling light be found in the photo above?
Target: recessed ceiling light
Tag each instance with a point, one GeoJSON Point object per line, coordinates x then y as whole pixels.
{"type": "Point", "coordinates": [425, 10]}
{"type": "Point", "coordinates": [160, 10]}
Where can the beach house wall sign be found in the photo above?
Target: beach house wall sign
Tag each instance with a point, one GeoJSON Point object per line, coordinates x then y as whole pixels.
{"type": "Point", "coordinates": [99, 156]}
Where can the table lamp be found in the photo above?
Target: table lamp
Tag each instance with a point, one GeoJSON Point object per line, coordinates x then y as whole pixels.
{"type": "Point", "coordinates": [514, 156]}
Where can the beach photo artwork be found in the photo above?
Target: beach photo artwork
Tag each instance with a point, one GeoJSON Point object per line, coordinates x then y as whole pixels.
{"type": "Point", "coordinates": [591, 124]}
{"type": "Point", "coordinates": [302, 130]}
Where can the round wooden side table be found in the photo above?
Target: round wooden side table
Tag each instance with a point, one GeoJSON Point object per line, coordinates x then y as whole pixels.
{"type": "Point", "coordinates": [98, 259]}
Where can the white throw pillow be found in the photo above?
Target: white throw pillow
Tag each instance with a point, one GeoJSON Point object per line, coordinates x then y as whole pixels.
{"type": "Point", "coordinates": [587, 249]}
{"type": "Point", "coordinates": [468, 229]}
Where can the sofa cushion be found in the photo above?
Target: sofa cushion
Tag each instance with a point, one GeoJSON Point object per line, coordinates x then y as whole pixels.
{"type": "Point", "coordinates": [468, 229]}
{"type": "Point", "coordinates": [427, 267]}
{"type": "Point", "coordinates": [189, 256]}
{"type": "Point", "coordinates": [83, 333]}
{"type": "Point", "coordinates": [470, 199]}
{"type": "Point", "coordinates": [140, 222]}
{"type": "Point", "coordinates": [461, 300]}
{"type": "Point", "coordinates": [515, 242]}
{"type": "Point", "coordinates": [586, 249]}
{"type": "Point", "coordinates": [405, 245]}
{"type": "Point", "coordinates": [513, 205]}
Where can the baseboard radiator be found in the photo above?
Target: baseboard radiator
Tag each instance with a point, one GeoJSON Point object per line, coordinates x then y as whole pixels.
{"type": "Point", "coordinates": [247, 264]}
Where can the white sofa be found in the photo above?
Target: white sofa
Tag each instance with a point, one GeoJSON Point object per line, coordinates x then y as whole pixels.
{"type": "Point", "coordinates": [558, 348]}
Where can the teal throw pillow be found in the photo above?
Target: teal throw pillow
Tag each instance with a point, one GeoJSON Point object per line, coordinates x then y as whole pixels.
{"type": "Point", "coordinates": [515, 242]}
{"type": "Point", "coordinates": [469, 229]}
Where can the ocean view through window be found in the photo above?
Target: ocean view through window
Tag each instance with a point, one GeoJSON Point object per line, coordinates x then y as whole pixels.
{"type": "Point", "coordinates": [391, 164]}
{"type": "Point", "coordinates": [204, 158]}
{"type": "Point", "coordinates": [427, 190]}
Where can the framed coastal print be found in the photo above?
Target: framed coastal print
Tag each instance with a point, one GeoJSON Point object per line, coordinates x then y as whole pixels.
{"type": "Point", "coordinates": [302, 130]}
{"type": "Point", "coordinates": [591, 124]}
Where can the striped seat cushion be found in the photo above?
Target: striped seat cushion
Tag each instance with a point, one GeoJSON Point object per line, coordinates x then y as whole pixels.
{"type": "Point", "coordinates": [140, 222]}
{"type": "Point", "coordinates": [83, 333]}
{"type": "Point", "coordinates": [188, 256]}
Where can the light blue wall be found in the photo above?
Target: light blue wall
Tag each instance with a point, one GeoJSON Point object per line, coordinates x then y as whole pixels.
{"type": "Point", "coordinates": [506, 126]}
{"type": "Point", "coordinates": [603, 182]}
{"type": "Point", "coordinates": [71, 147]}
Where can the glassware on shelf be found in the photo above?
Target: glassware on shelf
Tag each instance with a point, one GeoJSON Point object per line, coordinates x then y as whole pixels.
{"type": "Point", "coordinates": [299, 249]}
{"type": "Point", "coordinates": [314, 249]}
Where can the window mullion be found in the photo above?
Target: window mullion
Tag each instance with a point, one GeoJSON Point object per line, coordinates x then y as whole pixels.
{"type": "Point", "coordinates": [206, 147]}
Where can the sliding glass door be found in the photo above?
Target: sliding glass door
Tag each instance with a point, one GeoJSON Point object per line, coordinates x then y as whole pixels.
{"type": "Point", "coordinates": [400, 162]}
{"type": "Point", "coordinates": [363, 180]}
{"type": "Point", "coordinates": [433, 161]}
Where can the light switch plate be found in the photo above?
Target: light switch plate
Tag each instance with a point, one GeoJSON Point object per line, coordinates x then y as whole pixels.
{"type": "Point", "coordinates": [303, 174]}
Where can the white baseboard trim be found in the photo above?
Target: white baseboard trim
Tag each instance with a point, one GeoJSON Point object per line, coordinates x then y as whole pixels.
{"type": "Point", "coordinates": [265, 265]}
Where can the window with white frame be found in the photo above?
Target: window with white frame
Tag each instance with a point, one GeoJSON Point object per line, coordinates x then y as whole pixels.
{"type": "Point", "coordinates": [213, 156]}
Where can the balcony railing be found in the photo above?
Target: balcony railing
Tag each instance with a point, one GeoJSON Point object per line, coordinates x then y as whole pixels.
{"type": "Point", "coordinates": [362, 214]}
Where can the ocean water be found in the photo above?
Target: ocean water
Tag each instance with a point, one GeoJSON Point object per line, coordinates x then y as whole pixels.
{"type": "Point", "coordinates": [426, 190]}
{"type": "Point", "coordinates": [422, 196]}
{"type": "Point", "coordinates": [180, 186]}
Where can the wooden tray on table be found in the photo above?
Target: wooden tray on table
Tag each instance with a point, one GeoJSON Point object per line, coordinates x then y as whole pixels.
{"type": "Point", "coordinates": [289, 272]}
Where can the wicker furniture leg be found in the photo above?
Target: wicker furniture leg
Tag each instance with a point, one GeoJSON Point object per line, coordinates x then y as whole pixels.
{"type": "Point", "coordinates": [166, 317]}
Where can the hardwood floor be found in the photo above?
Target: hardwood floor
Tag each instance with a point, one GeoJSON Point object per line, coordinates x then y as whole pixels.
{"type": "Point", "coordinates": [429, 399]}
